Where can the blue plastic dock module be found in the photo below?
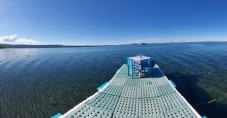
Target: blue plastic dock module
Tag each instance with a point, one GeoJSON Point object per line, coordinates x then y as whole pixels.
{"type": "Point", "coordinates": [123, 97]}
{"type": "Point", "coordinates": [56, 116]}
{"type": "Point", "coordinates": [174, 85]}
{"type": "Point", "coordinates": [102, 86]}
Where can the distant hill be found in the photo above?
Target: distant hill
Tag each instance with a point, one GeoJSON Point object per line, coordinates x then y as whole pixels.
{"type": "Point", "coordinates": [37, 46]}
{"type": "Point", "coordinates": [64, 46]}
{"type": "Point", "coordinates": [2, 46]}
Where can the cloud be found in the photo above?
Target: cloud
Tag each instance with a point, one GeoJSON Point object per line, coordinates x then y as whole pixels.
{"type": "Point", "coordinates": [26, 41]}
{"type": "Point", "coordinates": [10, 38]}
{"type": "Point", "coordinates": [14, 39]}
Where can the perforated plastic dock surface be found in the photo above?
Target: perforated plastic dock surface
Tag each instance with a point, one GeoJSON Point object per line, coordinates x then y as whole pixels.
{"type": "Point", "coordinates": [124, 97]}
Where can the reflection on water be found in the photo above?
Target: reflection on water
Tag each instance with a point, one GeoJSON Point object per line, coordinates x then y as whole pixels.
{"type": "Point", "coordinates": [38, 83]}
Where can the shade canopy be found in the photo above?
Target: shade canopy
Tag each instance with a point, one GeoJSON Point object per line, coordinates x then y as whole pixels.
{"type": "Point", "coordinates": [139, 58]}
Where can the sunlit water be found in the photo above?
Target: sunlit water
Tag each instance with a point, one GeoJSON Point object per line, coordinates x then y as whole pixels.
{"type": "Point", "coordinates": [38, 83]}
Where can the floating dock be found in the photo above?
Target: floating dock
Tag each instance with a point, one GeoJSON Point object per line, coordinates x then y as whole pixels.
{"type": "Point", "coordinates": [123, 97]}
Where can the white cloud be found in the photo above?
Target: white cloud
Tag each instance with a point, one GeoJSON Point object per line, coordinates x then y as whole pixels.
{"type": "Point", "coordinates": [10, 38]}
{"type": "Point", "coordinates": [26, 41]}
{"type": "Point", "coordinates": [14, 39]}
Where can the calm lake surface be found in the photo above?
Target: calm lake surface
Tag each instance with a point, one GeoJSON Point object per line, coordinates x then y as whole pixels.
{"type": "Point", "coordinates": [52, 80]}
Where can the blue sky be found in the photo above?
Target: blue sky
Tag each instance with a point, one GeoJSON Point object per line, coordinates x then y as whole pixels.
{"type": "Point", "coordinates": [86, 22]}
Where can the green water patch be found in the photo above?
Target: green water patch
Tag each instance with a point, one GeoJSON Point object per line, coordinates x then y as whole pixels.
{"type": "Point", "coordinates": [215, 84]}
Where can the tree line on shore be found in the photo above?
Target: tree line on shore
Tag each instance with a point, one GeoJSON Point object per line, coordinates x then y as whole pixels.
{"type": "Point", "coordinates": [2, 46]}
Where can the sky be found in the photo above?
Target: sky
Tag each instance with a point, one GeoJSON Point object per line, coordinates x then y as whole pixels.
{"type": "Point", "coordinates": [102, 22]}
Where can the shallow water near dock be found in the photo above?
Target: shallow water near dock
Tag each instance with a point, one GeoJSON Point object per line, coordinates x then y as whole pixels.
{"type": "Point", "coordinates": [41, 82]}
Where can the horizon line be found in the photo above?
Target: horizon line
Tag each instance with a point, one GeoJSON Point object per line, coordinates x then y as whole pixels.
{"type": "Point", "coordinates": [165, 42]}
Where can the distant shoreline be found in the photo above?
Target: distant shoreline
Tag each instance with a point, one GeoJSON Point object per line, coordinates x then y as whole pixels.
{"type": "Point", "coordinates": [39, 46]}
{"type": "Point", "coordinates": [66, 46]}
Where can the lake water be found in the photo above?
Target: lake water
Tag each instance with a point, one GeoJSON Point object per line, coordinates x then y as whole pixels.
{"type": "Point", "coordinates": [40, 82]}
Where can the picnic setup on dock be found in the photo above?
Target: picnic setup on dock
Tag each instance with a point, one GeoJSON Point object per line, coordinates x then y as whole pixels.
{"type": "Point", "coordinates": [139, 89]}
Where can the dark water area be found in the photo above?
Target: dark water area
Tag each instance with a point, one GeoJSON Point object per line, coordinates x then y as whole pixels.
{"type": "Point", "coordinates": [40, 82]}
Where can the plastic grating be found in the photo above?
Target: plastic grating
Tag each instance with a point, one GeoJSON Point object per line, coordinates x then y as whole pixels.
{"type": "Point", "coordinates": [133, 82]}
{"type": "Point", "coordinates": [147, 92]}
{"type": "Point", "coordinates": [172, 102]}
{"type": "Point", "coordinates": [86, 111]}
{"type": "Point", "coordinates": [117, 81]}
{"type": "Point", "coordinates": [147, 82]}
{"type": "Point", "coordinates": [131, 92]}
{"type": "Point", "coordinates": [100, 106]}
{"type": "Point", "coordinates": [127, 108]}
{"type": "Point", "coordinates": [165, 89]}
{"type": "Point", "coordinates": [104, 102]}
{"type": "Point", "coordinates": [122, 76]}
{"type": "Point", "coordinates": [169, 106]}
{"type": "Point", "coordinates": [151, 107]}
{"type": "Point", "coordinates": [181, 113]}
{"type": "Point", "coordinates": [124, 69]}
{"type": "Point", "coordinates": [113, 90]}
